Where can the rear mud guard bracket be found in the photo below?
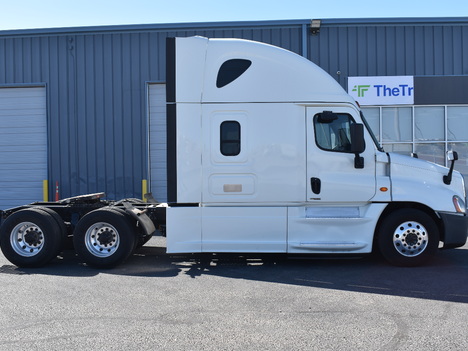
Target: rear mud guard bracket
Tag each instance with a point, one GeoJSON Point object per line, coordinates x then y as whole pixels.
{"type": "Point", "coordinates": [145, 222]}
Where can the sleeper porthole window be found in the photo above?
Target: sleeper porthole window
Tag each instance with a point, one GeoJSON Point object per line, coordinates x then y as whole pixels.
{"type": "Point", "coordinates": [231, 70]}
{"type": "Point", "coordinates": [230, 138]}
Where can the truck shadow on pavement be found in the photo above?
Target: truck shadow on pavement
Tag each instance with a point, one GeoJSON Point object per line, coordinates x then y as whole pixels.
{"type": "Point", "coordinates": [443, 279]}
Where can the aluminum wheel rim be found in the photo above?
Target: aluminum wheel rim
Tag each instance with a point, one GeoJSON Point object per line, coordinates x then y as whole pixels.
{"type": "Point", "coordinates": [27, 239]}
{"type": "Point", "coordinates": [410, 239]}
{"type": "Point", "coordinates": [102, 239]}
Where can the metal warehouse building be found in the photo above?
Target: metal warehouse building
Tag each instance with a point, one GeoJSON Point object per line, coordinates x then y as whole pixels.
{"type": "Point", "coordinates": [84, 108]}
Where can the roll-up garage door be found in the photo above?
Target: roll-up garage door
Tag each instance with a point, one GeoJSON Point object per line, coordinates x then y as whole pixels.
{"type": "Point", "coordinates": [157, 141]}
{"type": "Point", "coordinates": [23, 145]}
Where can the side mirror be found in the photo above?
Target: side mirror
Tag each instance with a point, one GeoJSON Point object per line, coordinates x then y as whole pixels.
{"type": "Point", "coordinates": [358, 145]}
{"type": "Point", "coordinates": [452, 155]}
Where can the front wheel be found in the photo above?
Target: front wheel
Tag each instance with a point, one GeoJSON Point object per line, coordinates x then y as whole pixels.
{"type": "Point", "coordinates": [104, 238]}
{"type": "Point", "coordinates": [408, 237]}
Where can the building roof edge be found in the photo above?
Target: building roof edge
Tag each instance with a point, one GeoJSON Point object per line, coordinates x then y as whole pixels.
{"type": "Point", "coordinates": [208, 25]}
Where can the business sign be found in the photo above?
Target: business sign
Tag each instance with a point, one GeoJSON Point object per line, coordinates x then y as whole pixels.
{"type": "Point", "coordinates": [385, 90]}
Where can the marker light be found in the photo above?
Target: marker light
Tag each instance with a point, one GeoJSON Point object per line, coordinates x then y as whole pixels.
{"type": "Point", "coordinates": [384, 189]}
{"type": "Point", "coordinates": [459, 204]}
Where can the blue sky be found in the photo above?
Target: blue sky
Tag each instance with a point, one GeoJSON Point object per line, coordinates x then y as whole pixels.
{"type": "Point", "coordinates": [27, 14]}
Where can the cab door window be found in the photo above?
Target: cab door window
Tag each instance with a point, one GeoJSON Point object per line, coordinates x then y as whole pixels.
{"type": "Point", "coordinates": [332, 131]}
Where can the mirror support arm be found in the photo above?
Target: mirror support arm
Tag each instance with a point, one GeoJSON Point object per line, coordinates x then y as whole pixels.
{"type": "Point", "coordinates": [453, 156]}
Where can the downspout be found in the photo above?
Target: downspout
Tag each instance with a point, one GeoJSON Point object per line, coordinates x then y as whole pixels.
{"type": "Point", "coordinates": [305, 29]}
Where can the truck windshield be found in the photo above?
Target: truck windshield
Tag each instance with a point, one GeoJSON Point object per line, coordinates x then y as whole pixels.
{"type": "Point", "coordinates": [376, 142]}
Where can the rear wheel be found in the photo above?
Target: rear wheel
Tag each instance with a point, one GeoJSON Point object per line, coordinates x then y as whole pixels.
{"type": "Point", "coordinates": [60, 224]}
{"type": "Point", "coordinates": [408, 237]}
{"type": "Point", "coordinates": [30, 237]}
{"type": "Point", "coordinates": [104, 238]}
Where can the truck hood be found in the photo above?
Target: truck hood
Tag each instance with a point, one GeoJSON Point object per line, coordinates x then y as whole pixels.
{"type": "Point", "coordinates": [412, 178]}
{"type": "Point", "coordinates": [409, 163]}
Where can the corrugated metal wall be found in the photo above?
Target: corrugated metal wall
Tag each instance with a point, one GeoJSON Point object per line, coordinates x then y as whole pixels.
{"type": "Point", "coordinates": [96, 86]}
{"type": "Point", "coordinates": [97, 79]}
{"type": "Point", "coordinates": [416, 47]}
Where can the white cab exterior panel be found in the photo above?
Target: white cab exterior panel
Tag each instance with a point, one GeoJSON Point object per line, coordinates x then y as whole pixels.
{"type": "Point", "coordinates": [336, 229]}
{"type": "Point", "coordinates": [276, 75]}
{"type": "Point", "coordinates": [189, 150]}
{"type": "Point", "coordinates": [226, 229]}
{"type": "Point", "coordinates": [190, 64]}
{"type": "Point", "coordinates": [184, 228]}
{"type": "Point", "coordinates": [244, 229]}
{"type": "Point", "coordinates": [412, 176]}
{"type": "Point", "coordinates": [271, 165]}
{"type": "Point", "coordinates": [382, 178]}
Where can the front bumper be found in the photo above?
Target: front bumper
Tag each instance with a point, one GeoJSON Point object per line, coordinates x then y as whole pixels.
{"type": "Point", "coordinates": [455, 230]}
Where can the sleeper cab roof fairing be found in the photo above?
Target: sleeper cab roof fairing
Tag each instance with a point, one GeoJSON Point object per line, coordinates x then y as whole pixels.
{"type": "Point", "coordinates": [259, 73]}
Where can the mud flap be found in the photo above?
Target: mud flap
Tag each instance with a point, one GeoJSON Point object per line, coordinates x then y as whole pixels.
{"type": "Point", "coordinates": [146, 223]}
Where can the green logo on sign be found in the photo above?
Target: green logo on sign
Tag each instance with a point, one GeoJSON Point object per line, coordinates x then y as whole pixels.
{"type": "Point", "coordinates": [361, 89]}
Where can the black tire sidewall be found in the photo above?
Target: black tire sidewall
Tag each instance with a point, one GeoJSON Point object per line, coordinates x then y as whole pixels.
{"type": "Point", "coordinates": [393, 221]}
{"type": "Point", "coordinates": [125, 230]}
{"type": "Point", "coordinates": [60, 223]}
{"type": "Point", "coordinates": [49, 228]}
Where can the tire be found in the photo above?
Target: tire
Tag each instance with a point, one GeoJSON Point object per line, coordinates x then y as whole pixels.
{"type": "Point", "coordinates": [104, 238]}
{"type": "Point", "coordinates": [408, 237]}
{"type": "Point", "coordinates": [30, 237]}
{"type": "Point", "coordinates": [58, 220]}
{"type": "Point", "coordinates": [139, 239]}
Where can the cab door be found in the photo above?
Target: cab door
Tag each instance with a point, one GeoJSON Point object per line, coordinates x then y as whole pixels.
{"type": "Point", "coordinates": [333, 173]}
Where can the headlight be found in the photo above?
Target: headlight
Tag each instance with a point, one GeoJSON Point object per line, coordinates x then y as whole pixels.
{"type": "Point", "coordinates": [459, 204]}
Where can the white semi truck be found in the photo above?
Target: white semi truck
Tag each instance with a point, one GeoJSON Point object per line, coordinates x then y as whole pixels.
{"type": "Point", "coordinates": [266, 154]}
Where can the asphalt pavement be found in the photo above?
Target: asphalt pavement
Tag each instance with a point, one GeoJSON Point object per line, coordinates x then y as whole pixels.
{"type": "Point", "coordinates": [157, 301]}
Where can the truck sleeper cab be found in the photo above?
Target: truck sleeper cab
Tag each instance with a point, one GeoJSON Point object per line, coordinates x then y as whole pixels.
{"type": "Point", "coordinates": [266, 153]}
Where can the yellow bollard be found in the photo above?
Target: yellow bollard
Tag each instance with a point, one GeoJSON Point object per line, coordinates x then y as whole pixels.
{"type": "Point", "coordinates": [144, 189]}
{"type": "Point", "coordinates": [45, 190]}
